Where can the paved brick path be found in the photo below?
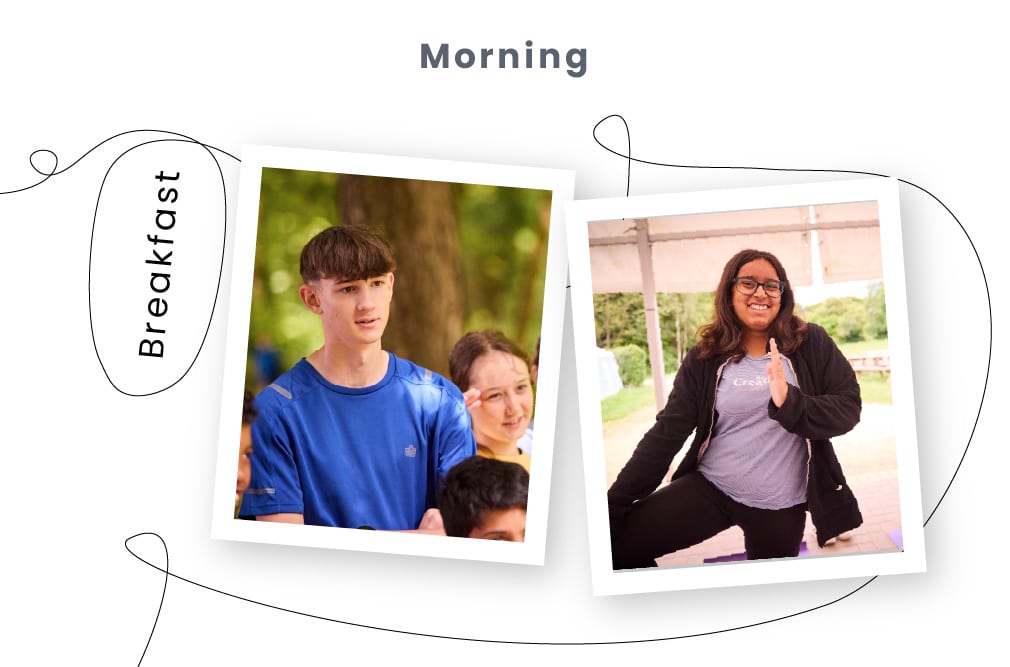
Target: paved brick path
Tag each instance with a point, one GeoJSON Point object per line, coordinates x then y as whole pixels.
{"type": "Point", "coordinates": [867, 455]}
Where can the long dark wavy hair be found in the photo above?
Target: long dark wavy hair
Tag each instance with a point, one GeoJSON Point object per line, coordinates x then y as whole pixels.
{"type": "Point", "coordinates": [724, 334]}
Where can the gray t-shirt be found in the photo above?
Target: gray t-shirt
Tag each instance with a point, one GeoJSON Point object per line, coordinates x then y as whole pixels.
{"type": "Point", "coordinates": [750, 457]}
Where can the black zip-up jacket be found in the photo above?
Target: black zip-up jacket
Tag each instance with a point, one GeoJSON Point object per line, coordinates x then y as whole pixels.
{"type": "Point", "coordinates": [826, 404]}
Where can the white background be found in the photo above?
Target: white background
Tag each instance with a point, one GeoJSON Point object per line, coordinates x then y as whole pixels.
{"type": "Point", "coordinates": [911, 90]}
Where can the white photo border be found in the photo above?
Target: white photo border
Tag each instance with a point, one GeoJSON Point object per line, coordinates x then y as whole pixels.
{"type": "Point", "coordinates": [561, 184]}
{"type": "Point", "coordinates": [606, 581]}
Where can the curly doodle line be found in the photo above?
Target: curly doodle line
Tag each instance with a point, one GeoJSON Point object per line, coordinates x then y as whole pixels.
{"type": "Point", "coordinates": [164, 588]}
{"type": "Point", "coordinates": [165, 571]}
{"type": "Point", "coordinates": [56, 171]}
{"type": "Point", "coordinates": [631, 159]}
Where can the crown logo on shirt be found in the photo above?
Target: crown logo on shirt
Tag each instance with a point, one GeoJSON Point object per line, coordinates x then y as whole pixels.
{"type": "Point", "coordinates": [410, 451]}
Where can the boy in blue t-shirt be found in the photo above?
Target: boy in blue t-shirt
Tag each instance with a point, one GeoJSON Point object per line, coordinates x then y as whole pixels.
{"type": "Point", "coordinates": [352, 435]}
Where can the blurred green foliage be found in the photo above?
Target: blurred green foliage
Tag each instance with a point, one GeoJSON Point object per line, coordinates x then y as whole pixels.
{"type": "Point", "coordinates": [503, 234]}
{"type": "Point", "coordinates": [850, 319]}
{"type": "Point", "coordinates": [632, 362]}
{"type": "Point", "coordinates": [620, 320]}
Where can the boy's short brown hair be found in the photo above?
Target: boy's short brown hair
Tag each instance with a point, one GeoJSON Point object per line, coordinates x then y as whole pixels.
{"type": "Point", "coordinates": [346, 253]}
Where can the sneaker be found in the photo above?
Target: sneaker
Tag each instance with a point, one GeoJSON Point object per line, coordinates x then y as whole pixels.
{"type": "Point", "coordinates": [844, 537]}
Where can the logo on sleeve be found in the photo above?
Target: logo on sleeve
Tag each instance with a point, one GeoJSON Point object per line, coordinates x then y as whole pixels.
{"type": "Point", "coordinates": [410, 451]}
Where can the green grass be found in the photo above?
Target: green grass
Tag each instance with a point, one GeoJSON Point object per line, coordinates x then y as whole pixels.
{"type": "Point", "coordinates": [626, 401]}
{"type": "Point", "coordinates": [861, 346]}
{"type": "Point", "coordinates": [873, 388]}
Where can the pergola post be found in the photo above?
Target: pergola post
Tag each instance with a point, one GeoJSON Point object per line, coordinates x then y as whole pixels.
{"type": "Point", "coordinates": [651, 310]}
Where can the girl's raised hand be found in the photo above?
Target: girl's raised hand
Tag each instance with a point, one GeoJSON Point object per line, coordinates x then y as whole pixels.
{"type": "Point", "coordinates": [777, 376]}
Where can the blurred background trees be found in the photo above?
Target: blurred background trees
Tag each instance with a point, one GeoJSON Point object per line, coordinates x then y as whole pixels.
{"type": "Point", "coordinates": [468, 257]}
{"type": "Point", "coordinates": [850, 319]}
{"type": "Point", "coordinates": [620, 321]}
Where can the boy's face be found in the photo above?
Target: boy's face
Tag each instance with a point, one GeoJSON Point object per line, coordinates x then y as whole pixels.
{"type": "Point", "coordinates": [506, 525]}
{"type": "Point", "coordinates": [354, 312]}
{"type": "Point", "coordinates": [244, 466]}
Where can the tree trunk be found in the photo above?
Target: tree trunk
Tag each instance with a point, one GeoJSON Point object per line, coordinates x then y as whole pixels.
{"type": "Point", "coordinates": [418, 219]}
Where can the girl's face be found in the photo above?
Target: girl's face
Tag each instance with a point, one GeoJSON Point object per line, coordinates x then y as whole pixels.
{"type": "Point", "coordinates": [757, 311]}
{"type": "Point", "coordinates": [506, 397]}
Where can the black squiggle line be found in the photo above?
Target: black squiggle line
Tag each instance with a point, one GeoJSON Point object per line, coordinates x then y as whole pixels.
{"type": "Point", "coordinates": [175, 136]}
{"type": "Point", "coordinates": [704, 166]}
{"type": "Point", "coordinates": [164, 588]}
{"type": "Point", "coordinates": [47, 174]}
{"type": "Point", "coordinates": [988, 367]}
{"type": "Point", "coordinates": [364, 626]}
{"type": "Point", "coordinates": [627, 134]}
{"type": "Point", "coordinates": [988, 298]}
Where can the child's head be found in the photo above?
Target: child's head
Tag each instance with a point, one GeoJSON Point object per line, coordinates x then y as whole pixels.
{"type": "Point", "coordinates": [345, 254]}
{"type": "Point", "coordinates": [488, 361]}
{"type": "Point", "coordinates": [486, 499]}
{"type": "Point", "coordinates": [474, 345]}
{"type": "Point", "coordinates": [245, 448]}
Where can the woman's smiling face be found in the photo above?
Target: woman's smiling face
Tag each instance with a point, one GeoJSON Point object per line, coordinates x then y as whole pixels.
{"type": "Point", "coordinates": [757, 311]}
{"type": "Point", "coordinates": [506, 396]}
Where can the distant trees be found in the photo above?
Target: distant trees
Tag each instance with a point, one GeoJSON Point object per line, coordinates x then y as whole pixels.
{"type": "Point", "coordinates": [620, 319]}
{"type": "Point", "coordinates": [850, 319]}
{"type": "Point", "coordinates": [876, 313]}
{"type": "Point", "coordinates": [680, 316]}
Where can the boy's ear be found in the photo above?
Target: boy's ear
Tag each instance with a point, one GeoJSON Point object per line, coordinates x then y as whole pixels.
{"type": "Point", "coordinates": [307, 293]}
{"type": "Point", "coordinates": [390, 278]}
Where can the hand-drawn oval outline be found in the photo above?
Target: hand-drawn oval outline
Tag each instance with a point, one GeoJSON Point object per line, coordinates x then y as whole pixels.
{"type": "Point", "coordinates": [220, 270]}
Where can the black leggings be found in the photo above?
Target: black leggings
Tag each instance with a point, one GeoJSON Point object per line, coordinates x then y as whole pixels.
{"type": "Point", "coordinates": [690, 510]}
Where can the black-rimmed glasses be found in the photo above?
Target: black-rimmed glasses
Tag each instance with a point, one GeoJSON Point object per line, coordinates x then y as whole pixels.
{"type": "Point", "coordinates": [748, 286]}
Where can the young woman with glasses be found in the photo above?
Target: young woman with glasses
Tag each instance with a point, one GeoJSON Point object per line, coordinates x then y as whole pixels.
{"type": "Point", "coordinates": [763, 392]}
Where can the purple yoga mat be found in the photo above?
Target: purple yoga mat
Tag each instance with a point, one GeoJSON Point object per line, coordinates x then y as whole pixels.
{"type": "Point", "coordinates": [742, 556]}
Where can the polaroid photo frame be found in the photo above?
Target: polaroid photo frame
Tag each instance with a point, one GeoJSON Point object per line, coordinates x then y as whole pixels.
{"type": "Point", "coordinates": [832, 238]}
{"type": "Point", "coordinates": [557, 186]}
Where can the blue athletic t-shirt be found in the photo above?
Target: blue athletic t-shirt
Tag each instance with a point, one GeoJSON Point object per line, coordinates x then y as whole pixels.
{"type": "Point", "coordinates": [349, 457]}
